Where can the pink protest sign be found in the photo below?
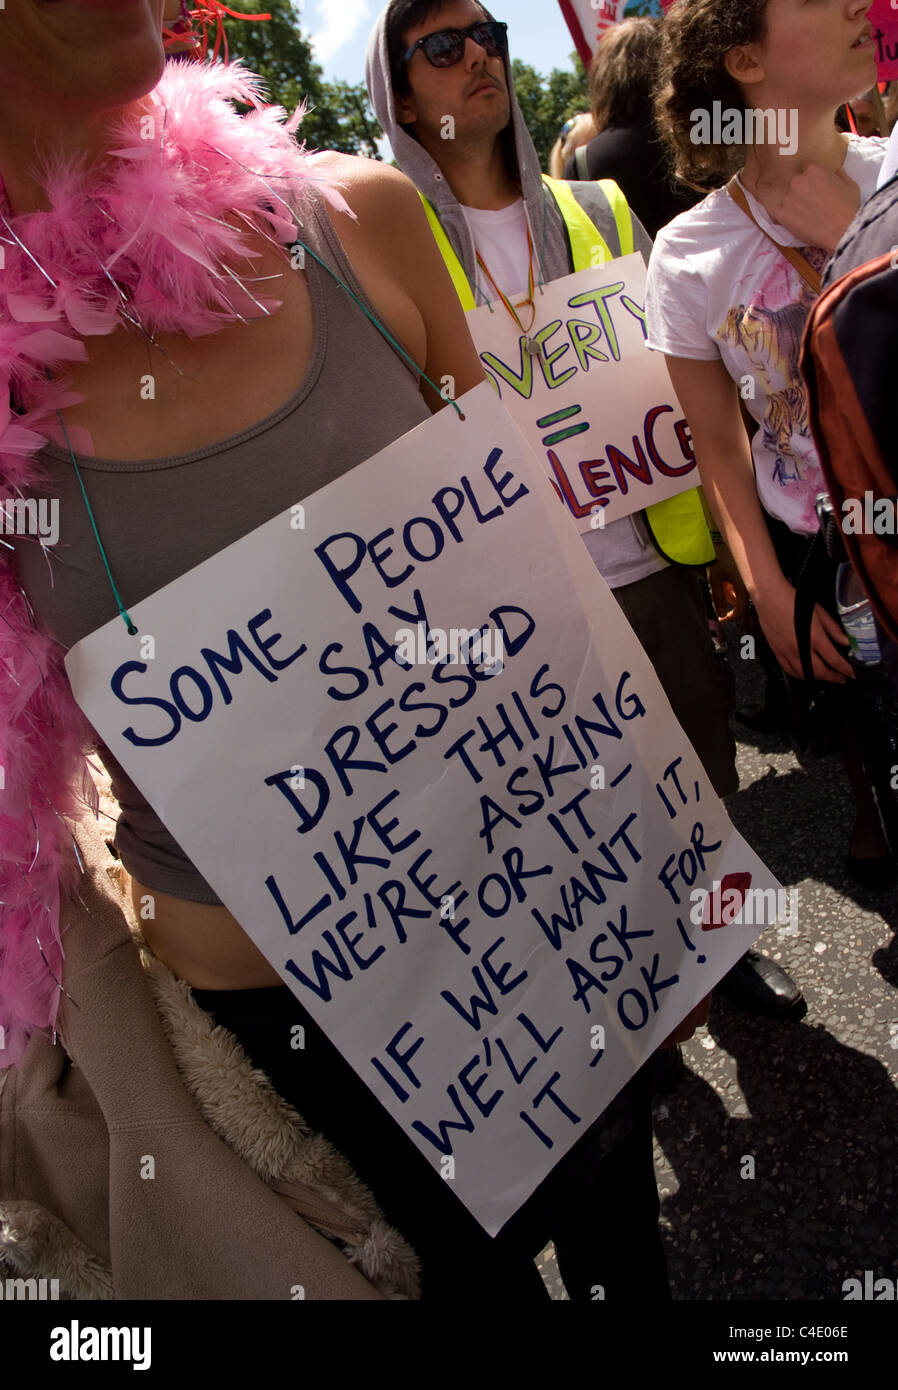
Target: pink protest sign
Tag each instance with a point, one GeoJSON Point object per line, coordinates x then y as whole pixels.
{"type": "Point", "coordinates": [884, 18]}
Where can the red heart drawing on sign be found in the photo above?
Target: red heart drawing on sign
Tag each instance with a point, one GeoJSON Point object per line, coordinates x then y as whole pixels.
{"type": "Point", "coordinates": [725, 902]}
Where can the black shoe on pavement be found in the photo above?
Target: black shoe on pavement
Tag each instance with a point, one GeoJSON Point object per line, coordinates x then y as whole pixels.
{"type": "Point", "coordinates": [871, 873]}
{"type": "Point", "coordinates": [760, 986]}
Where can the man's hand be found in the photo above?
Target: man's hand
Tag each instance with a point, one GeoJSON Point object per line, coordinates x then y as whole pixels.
{"type": "Point", "coordinates": [727, 589]}
{"type": "Point", "coordinates": [818, 206]}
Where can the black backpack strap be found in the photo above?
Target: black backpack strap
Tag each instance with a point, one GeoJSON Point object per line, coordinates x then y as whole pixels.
{"type": "Point", "coordinates": [812, 578]}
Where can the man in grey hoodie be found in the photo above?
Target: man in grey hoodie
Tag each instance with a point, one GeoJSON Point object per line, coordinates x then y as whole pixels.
{"type": "Point", "coordinates": [600, 1205]}
{"type": "Point", "coordinates": [456, 129]}
{"type": "Point", "coordinates": [448, 106]}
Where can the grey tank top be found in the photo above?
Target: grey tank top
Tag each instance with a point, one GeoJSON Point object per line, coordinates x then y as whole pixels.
{"type": "Point", "coordinates": [160, 517]}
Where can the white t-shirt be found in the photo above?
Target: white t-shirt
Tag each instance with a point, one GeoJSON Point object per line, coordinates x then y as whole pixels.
{"type": "Point", "coordinates": [717, 287]}
{"type": "Point", "coordinates": [890, 163]}
{"type": "Point", "coordinates": [621, 551]}
{"type": "Point", "coordinates": [501, 239]}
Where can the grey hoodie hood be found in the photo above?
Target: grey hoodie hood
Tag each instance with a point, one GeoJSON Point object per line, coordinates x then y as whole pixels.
{"type": "Point", "coordinates": [549, 237]}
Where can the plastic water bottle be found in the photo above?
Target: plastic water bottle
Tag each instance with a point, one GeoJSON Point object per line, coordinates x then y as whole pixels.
{"type": "Point", "coordinates": [856, 617]}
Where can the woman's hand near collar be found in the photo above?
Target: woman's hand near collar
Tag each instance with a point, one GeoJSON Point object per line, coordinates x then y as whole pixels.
{"type": "Point", "coordinates": [818, 206]}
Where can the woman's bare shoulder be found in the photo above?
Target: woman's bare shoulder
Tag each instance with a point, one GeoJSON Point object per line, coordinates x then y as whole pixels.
{"type": "Point", "coordinates": [371, 188]}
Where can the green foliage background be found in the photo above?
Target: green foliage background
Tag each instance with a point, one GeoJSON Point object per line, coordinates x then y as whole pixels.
{"type": "Point", "coordinates": [547, 102]}
{"type": "Point", "coordinates": [340, 117]}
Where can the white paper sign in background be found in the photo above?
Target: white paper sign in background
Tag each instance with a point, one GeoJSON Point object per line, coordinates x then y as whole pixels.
{"type": "Point", "coordinates": [597, 406]}
{"type": "Point", "coordinates": [479, 885]}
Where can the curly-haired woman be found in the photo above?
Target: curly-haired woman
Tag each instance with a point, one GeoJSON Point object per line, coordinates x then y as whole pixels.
{"type": "Point", "coordinates": [749, 93]}
{"type": "Point", "coordinates": [144, 228]}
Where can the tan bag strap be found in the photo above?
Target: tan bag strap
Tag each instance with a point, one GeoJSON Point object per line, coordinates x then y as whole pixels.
{"type": "Point", "coordinates": [801, 263]}
{"type": "Point", "coordinates": [325, 1216]}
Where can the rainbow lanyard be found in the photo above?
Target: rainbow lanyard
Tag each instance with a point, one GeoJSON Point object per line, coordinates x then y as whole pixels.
{"type": "Point", "coordinates": [531, 346]}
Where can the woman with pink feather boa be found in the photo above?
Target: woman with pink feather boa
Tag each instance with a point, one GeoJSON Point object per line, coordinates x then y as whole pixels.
{"type": "Point", "coordinates": [149, 233]}
{"type": "Point", "coordinates": [143, 229]}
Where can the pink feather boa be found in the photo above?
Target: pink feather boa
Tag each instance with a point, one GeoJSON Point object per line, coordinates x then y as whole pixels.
{"type": "Point", "coordinates": [153, 216]}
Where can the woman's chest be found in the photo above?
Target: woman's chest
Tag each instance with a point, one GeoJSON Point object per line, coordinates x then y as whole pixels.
{"type": "Point", "coordinates": [147, 399]}
{"type": "Point", "coordinates": [170, 395]}
{"type": "Point", "coordinates": [159, 517]}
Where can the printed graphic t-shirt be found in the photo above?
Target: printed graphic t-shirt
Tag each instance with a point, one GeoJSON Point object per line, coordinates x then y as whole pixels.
{"type": "Point", "coordinates": [718, 288]}
{"type": "Point", "coordinates": [622, 551]}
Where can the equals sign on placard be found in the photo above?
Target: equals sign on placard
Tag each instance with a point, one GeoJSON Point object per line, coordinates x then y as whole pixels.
{"type": "Point", "coordinates": [558, 435]}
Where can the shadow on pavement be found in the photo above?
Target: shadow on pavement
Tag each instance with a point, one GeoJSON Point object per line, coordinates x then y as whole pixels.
{"type": "Point", "coordinates": [799, 822]}
{"type": "Point", "coordinates": [822, 1129]}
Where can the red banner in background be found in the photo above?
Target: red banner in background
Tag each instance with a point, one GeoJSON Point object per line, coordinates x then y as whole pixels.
{"type": "Point", "coordinates": [588, 20]}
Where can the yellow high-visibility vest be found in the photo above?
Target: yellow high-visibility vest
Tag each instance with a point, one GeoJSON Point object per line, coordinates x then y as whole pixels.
{"type": "Point", "coordinates": [678, 526]}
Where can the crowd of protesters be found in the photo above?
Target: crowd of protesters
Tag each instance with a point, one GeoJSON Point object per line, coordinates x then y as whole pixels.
{"type": "Point", "coordinates": [724, 304]}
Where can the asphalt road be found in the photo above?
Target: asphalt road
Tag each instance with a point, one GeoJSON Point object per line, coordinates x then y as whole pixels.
{"type": "Point", "coordinates": [814, 1103]}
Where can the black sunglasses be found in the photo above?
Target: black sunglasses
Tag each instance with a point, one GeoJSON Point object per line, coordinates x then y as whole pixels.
{"type": "Point", "coordinates": [446, 47]}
